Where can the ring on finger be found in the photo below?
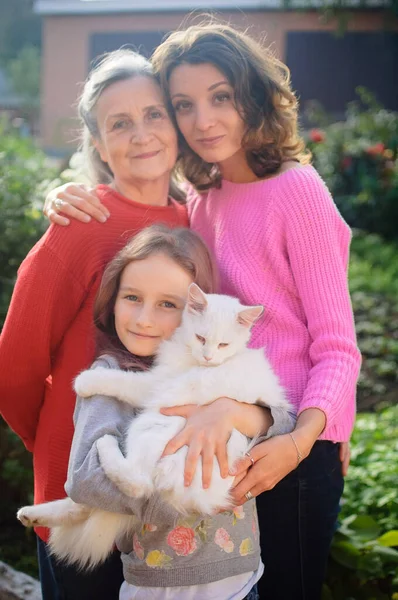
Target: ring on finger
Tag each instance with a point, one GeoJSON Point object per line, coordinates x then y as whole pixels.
{"type": "Point", "coordinates": [249, 495]}
{"type": "Point", "coordinates": [58, 203]}
{"type": "Point", "coordinates": [249, 456]}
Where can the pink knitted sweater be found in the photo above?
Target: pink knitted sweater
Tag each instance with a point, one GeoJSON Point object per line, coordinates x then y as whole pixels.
{"type": "Point", "coordinates": [282, 243]}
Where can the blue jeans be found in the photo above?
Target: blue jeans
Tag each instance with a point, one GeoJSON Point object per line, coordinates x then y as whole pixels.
{"type": "Point", "coordinates": [61, 582]}
{"type": "Point", "coordinates": [297, 521]}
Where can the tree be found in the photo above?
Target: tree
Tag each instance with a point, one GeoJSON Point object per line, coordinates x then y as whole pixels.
{"type": "Point", "coordinates": [19, 27]}
{"type": "Point", "coordinates": [24, 73]}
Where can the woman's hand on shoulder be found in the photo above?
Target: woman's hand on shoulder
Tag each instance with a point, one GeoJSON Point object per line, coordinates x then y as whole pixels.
{"type": "Point", "coordinates": [74, 201]}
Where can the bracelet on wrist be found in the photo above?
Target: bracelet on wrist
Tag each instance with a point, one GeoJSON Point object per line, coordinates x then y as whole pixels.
{"type": "Point", "coordinates": [299, 455]}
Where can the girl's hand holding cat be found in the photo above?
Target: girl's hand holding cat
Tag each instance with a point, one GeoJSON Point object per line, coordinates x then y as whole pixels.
{"type": "Point", "coordinates": [207, 432]}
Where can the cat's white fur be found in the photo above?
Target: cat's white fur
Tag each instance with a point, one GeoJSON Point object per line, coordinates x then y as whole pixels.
{"type": "Point", "coordinates": [206, 358]}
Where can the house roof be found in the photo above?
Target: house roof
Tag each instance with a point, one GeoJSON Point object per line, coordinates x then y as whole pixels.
{"type": "Point", "coordinates": [87, 7]}
{"type": "Point", "coordinates": [64, 7]}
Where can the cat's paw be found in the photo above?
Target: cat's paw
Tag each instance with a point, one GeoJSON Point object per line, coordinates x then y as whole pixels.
{"type": "Point", "coordinates": [28, 516]}
{"type": "Point", "coordinates": [105, 444]}
{"type": "Point", "coordinates": [86, 384]}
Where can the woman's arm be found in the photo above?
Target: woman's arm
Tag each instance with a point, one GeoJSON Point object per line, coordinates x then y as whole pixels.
{"type": "Point", "coordinates": [276, 457]}
{"type": "Point", "coordinates": [46, 299]}
{"type": "Point", "coordinates": [317, 242]}
{"type": "Point", "coordinates": [87, 482]}
{"type": "Point", "coordinates": [77, 202]}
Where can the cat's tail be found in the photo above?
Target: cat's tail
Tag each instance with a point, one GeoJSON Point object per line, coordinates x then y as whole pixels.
{"type": "Point", "coordinates": [88, 544]}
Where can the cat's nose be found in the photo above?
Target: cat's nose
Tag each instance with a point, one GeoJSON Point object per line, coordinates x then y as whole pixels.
{"type": "Point", "coordinates": [207, 358]}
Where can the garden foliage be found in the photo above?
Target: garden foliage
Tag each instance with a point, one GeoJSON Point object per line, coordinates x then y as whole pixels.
{"type": "Point", "coordinates": [358, 159]}
{"type": "Point", "coordinates": [373, 280]}
{"type": "Point", "coordinates": [364, 555]}
{"type": "Point", "coordinates": [23, 175]}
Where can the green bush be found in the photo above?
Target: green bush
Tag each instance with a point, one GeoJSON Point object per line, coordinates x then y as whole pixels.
{"type": "Point", "coordinates": [23, 175]}
{"type": "Point", "coordinates": [364, 562]}
{"type": "Point", "coordinates": [358, 160]}
{"type": "Point", "coordinates": [374, 292]}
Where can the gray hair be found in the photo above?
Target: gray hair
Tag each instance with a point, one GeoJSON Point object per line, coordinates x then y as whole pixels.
{"type": "Point", "coordinates": [114, 66]}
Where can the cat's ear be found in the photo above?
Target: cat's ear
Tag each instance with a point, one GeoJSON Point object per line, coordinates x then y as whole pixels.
{"type": "Point", "coordinates": [248, 316]}
{"type": "Point", "coordinates": [197, 300]}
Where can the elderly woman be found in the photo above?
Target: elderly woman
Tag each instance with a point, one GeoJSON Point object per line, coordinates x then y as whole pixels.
{"type": "Point", "coordinates": [130, 145]}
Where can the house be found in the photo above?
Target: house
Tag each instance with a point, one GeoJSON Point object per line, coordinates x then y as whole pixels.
{"type": "Point", "coordinates": [324, 66]}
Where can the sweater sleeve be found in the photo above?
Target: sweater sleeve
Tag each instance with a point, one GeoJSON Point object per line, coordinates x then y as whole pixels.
{"type": "Point", "coordinates": [317, 242]}
{"type": "Point", "coordinates": [87, 482]}
{"type": "Point", "coordinates": [45, 301]}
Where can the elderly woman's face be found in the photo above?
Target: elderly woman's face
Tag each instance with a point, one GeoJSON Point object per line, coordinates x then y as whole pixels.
{"type": "Point", "coordinates": [136, 136]}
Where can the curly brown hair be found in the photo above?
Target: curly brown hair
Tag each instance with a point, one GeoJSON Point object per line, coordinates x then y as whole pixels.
{"type": "Point", "coordinates": [263, 97]}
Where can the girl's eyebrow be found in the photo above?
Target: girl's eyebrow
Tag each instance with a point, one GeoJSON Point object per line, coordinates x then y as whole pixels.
{"type": "Point", "coordinates": [128, 288]}
{"type": "Point", "coordinates": [175, 297]}
{"type": "Point", "coordinates": [211, 88]}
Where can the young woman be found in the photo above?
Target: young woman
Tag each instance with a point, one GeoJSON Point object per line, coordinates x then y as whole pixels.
{"type": "Point", "coordinates": [279, 241]}
{"type": "Point", "coordinates": [139, 304]}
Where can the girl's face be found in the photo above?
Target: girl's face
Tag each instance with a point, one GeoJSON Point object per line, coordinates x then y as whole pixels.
{"type": "Point", "coordinates": [206, 114]}
{"type": "Point", "coordinates": [136, 136]}
{"type": "Point", "coordinates": [149, 303]}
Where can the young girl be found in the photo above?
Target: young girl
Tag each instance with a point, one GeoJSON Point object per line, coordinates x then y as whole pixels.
{"type": "Point", "coordinates": [279, 241]}
{"type": "Point", "coordinates": [139, 304]}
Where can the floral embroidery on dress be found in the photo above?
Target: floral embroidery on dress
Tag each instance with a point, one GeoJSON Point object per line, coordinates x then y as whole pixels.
{"type": "Point", "coordinates": [182, 540]}
{"type": "Point", "coordinates": [223, 539]}
{"type": "Point", "coordinates": [138, 549]}
{"type": "Point", "coordinates": [157, 558]}
{"type": "Point", "coordinates": [246, 547]}
{"type": "Point", "coordinates": [238, 514]}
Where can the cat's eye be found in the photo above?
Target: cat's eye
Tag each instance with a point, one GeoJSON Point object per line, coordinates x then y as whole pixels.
{"type": "Point", "coordinates": [201, 339]}
{"type": "Point", "coordinates": [223, 345]}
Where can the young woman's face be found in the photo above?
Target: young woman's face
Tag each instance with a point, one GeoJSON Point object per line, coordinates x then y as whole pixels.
{"type": "Point", "coordinates": [206, 114]}
{"type": "Point", "coordinates": [149, 304]}
{"type": "Point", "coordinates": [137, 138]}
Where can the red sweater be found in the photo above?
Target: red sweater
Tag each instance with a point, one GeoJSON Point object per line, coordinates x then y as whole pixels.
{"type": "Point", "coordinates": [48, 336]}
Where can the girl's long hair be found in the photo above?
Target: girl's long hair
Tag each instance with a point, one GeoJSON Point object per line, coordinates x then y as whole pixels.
{"type": "Point", "coordinates": [180, 244]}
{"type": "Point", "coordinates": [263, 97]}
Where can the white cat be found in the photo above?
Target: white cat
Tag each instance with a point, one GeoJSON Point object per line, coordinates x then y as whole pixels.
{"type": "Point", "coordinates": [206, 358]}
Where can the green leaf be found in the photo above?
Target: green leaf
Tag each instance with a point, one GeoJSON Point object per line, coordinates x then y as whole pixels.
{"type": "Point", "coordinates": [365, 527]}
{"type": "Point", "coordinates": [389, 539]}
{"type": "Point", "coordinates": [345, 554]}
{"type": "Point", "coordinates": [388, 554]}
